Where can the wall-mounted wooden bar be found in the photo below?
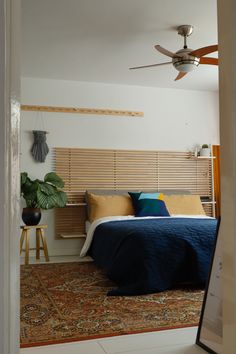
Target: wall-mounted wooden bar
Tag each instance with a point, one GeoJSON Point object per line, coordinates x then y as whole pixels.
{"type": "Point", "coordinates": [91, 111]}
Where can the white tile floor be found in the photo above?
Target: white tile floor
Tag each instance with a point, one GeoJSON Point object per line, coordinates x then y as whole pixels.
{"type": "Point", "coordinates": [178, 341]}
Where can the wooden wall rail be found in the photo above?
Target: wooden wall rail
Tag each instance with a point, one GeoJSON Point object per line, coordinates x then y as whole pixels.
{"type": "Point", "coordinates": [84, 169]}
{"type": "Point", "coordinates": [92, 111]}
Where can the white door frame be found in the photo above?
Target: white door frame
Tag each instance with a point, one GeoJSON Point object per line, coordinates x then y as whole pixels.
{"type": "Point", "coordinates": [9, 174]}
{"type": "Point", "coordinates": [227, 81]}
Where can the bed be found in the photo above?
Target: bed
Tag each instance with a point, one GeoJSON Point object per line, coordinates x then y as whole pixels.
{"type": "Point", "coordinates": [148, 254]}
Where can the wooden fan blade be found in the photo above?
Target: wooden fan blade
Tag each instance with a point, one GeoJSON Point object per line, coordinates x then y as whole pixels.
{"type": "Point", "coordinates": [180, 75]}
{"type": "Point", "coordinates": [149, 66]}
{"type": "Point", "coordinates": [208, 60]}
{"type": "Point", "coordinates": [166, 52]}
{"type": "Point", "coordinates": [204, 51]}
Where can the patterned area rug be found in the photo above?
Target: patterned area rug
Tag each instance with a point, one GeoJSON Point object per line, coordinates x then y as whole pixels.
{"type": "Point", "coordinates": [67, 302]}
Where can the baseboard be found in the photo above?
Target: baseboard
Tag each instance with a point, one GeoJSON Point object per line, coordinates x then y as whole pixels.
{"type": "Point", "coordinates": [55, 252]}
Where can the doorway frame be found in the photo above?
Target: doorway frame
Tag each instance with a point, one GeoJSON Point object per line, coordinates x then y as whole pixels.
{"type": "Point", "coordinates": [10, 16]}
{"type": "Point", "coordinates": [9, 174]}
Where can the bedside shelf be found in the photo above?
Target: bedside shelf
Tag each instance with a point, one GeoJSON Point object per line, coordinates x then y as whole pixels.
{"type": "Point", "coordinates": [203, 157]}
{"type": "Point", "coordinates": [67, 236]}
{"type": "Point", "coordinates": [76, 204]}
{"type": "Point", "coordinates": [210, 202]}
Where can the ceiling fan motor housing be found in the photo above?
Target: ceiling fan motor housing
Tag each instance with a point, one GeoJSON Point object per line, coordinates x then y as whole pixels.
{"type": "Point", "coordinates": [186, 62]}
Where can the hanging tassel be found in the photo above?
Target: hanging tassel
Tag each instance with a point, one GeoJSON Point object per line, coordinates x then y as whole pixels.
{"type": "Point", "coordinates": [39, 149]}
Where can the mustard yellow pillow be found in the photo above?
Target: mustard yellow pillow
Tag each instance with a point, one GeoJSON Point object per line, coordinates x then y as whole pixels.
{"type": "Point", "coordinates": [184, 204]}
{"type": "Point", "coordinates": [108, 205]}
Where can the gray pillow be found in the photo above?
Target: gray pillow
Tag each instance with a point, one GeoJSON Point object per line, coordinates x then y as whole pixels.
{"type": "Point", "coordinates": [106, 192]}
{"type": "Point", "coordinates": [174, 191]}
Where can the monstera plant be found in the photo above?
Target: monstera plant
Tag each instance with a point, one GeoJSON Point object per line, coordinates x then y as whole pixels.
{"type": "Point", "coordinates": [38, 194]}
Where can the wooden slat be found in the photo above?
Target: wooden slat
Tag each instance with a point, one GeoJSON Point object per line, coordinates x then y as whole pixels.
{"type": "Point", "coordinates": [102, 169]}
{"type": "Point", "coordinates": [91, 111]}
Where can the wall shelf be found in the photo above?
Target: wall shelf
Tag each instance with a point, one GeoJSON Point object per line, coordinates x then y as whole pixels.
{"type": "Point", "coordinates": [210, 202]}
{"type": "Point", "coordinates": [76, 204]}
{"type": "Point", "coordinates": [67, 236]}
{"type": "Point", "coordinates": [203, 157]}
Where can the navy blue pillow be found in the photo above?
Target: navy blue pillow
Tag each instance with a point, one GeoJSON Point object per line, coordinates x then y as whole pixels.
{"type": "Point", "coordinates": [148, 207]}
{"type": "Point", "coordinates": [135, 196]}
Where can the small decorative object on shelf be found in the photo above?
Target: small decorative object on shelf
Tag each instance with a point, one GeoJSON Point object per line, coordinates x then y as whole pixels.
{"type": "Point", "coordinates": [205, 151]}
{"type": "Point", "coordinates": [196, 151]}
{"type": "Point", "coordinates": [46, 194]}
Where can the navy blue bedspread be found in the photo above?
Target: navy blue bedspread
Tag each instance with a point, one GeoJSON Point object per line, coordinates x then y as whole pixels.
{"type": "Point", "coordinates": [153, 255]}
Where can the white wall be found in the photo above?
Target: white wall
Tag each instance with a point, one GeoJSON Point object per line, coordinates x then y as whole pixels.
{"type": "Point", "coordinates": [173, 120]}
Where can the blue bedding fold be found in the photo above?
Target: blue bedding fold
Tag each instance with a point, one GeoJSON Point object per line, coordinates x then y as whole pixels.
{"type": "Point", "coordinates": [153, 255]}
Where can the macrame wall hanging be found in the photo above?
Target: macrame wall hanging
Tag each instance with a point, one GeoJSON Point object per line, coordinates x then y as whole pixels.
{"type": "Point", "coordinates": [39, 148]}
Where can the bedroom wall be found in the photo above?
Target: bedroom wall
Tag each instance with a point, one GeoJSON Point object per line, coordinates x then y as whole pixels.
{"type": "Point", "coordinates": [173, 120]}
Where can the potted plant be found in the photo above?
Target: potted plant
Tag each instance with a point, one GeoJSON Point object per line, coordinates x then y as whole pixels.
{"type": "Point", "coordinates": [38, 194]}
{"type": "Point", "coordinates": [205, 150]}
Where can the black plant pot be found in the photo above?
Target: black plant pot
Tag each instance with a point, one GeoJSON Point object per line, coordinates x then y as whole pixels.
{"type": "Point", "coordinates": [31, 216]}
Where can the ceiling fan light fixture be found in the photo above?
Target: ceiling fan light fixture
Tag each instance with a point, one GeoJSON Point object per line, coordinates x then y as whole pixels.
{"type": "Point", "coordinates": [185, 59]}
{"type": "Point", "coordinates": [186, 65]}
{"type": "Point", "coordinates": [187, 62]}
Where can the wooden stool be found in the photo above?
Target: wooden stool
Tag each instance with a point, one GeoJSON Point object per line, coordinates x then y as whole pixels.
{"type": "Point", "coordinates": [25, 235]}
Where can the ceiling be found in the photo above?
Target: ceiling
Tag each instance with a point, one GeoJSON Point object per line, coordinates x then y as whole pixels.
{"type": "Point", "coordinates": [98, 40]}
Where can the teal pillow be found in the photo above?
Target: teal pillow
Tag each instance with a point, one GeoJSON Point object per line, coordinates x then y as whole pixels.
{"type": "Point", "coordinates": [148, 207]}
{"type": "Point", "coordinates": [145, 195]}
{"type": "Point", "coordinates": [155, 195]}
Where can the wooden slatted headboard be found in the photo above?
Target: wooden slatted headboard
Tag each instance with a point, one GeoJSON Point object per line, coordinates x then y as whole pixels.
{"type": "Point", "coordinates": [100, 169]}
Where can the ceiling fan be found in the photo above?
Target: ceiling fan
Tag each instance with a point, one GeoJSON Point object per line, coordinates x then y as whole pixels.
{"type": "Point", "coordinates": [186, 59]}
